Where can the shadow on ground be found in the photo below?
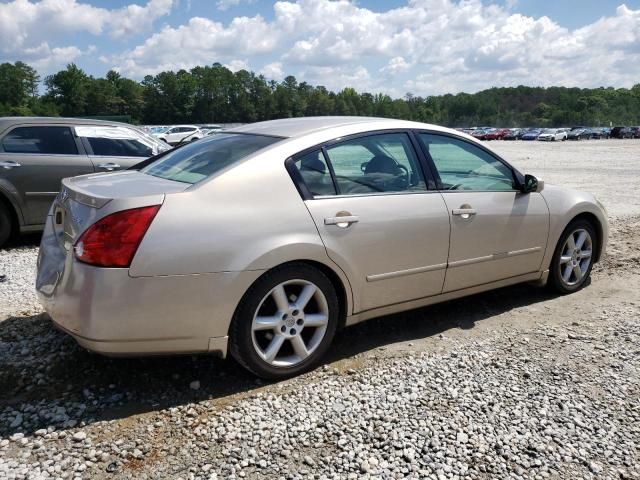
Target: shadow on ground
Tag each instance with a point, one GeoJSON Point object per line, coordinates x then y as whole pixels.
{"type": "Point", "coordinates": [24, 240]}
{"type": "Point", "coordinates": [44, 371]}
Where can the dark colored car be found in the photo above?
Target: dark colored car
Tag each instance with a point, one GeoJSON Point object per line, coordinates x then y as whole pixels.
{"type": "Point", "coordinates": [621, 132]}
{"type": "Point", "coordinates": [596, 133]}
{"type": "Point", "coordinates": [514, 134]}
{"type": "Point", "coordinates": [579, 134]}
{"type": "Point", "coordinates": [531, 134]}
{"type": "Point", "coordinates": [36, 153]}
{"type": "Point", "coordinates": [636, 132]}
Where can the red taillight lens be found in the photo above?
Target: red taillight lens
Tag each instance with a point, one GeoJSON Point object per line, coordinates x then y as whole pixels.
{"type": "Point", "coordinates": [113, 240]}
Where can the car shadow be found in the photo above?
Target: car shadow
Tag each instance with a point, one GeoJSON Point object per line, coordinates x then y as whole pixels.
{"type": "Point", "coordinates": [26, 240]}
{"type": "Point", "coordinates": [43, 370]}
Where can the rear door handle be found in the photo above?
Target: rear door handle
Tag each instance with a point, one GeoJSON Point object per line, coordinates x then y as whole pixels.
{"type": "Point", "coordinates": [342, 221]}
{"type": "Point", "coordinates": [9, 164]}
{"type": "Point", "coordinates": [108, 166]}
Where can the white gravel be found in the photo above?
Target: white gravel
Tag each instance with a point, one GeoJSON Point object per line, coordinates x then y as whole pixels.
{"type": "Point", "coordinates": [17, 294]}
{"type": "Point", "coordinates": [509, 384]}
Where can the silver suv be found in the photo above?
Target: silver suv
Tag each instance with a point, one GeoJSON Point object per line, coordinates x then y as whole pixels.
{"type": "Point", "coordinates": [37, 153]}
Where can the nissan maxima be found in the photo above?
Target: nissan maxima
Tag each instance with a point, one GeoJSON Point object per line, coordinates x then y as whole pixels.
{"type": "Point", "coordinates": [263, 241]}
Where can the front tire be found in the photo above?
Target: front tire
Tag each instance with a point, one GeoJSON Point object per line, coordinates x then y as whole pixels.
{"type": "Point", "coordinates": [285, 323]}
{"type": "Point", "coordinates": [573, 257]}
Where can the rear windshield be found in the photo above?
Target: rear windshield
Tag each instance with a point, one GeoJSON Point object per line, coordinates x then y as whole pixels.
{"type": "Point", "coordinates": [199, 160]}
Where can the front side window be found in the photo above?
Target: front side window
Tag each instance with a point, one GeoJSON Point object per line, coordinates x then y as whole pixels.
{"type": "Point", "coordinates": [376, 164]}
{"type": "Point", "coordinates": [199, 160]}
{"type": "Point", "coordinates": [464, 166]}
{"type": "Point", "coordinates": [119, 141]}
{"type": "Point", "coordinates": [40, 139]}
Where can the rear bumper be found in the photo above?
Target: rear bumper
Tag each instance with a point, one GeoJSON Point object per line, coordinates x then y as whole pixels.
{"type": "Point", "coordinates": [109, 312]}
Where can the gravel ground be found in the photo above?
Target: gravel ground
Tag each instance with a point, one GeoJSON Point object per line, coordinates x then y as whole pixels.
{"type": "Point", "coordinates": [515, 383]}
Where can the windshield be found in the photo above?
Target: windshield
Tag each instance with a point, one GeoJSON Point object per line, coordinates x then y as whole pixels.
{"type": "Point", "coordinates": [199, 160]}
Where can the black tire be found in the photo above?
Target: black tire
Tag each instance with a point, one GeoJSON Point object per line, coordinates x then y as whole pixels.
{"type": "Point", "coordinates": [556, 282]}
{"type": "Point", "coordinates": [6, 225]}
{"type": "Point", "coordinates": [241, 345]}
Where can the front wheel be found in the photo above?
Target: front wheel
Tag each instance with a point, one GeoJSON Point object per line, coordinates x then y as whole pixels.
{"type": "Point", "coordinates": [285, 322]}
{"type": "Point", "coordinates": [573, 258]}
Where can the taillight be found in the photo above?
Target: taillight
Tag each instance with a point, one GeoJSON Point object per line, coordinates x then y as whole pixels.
{"type": "Point", "coordinates": [113, 240]}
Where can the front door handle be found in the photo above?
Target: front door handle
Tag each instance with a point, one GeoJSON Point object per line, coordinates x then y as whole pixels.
{"type": "Point", "coordinates": [9, 164]}
{"type": "Point", "coordinates": [465, 211]}
{"type": "Point", "coordinates": [108, 166]}
{"type": "Point", "coordinates": [342, 221]}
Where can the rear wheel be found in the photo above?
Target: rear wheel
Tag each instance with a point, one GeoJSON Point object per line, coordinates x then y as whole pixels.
{"type": "Point", "coordinates": [6, 225]}
{"type": "Point", "coordinates": [285, 322]}
{"type": "Point", "coordinates": [573, 258]}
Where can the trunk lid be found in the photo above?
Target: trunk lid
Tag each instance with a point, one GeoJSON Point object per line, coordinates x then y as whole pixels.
{"type": "Point", "coordinates": [84, 200]}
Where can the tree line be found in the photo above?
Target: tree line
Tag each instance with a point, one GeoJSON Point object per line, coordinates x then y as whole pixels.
{"type": "Point", "coordinates": [215, 94]}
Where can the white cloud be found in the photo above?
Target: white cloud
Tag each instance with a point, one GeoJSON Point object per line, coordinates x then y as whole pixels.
{"type": "Point", "coordinates": [224, 5]}
{"type": "Point", "coordinates": [200, 42]}
{"type": "Point", "coordinates": [424, 46]}
{"type": "Point", "coordinates": [236, 65]}
{"type": "Point", "coordinates": [273, 71]}
{"type": "Point", "coordinates": [28, 27]}
{"type": "Point", "coordinates": [133, 19]}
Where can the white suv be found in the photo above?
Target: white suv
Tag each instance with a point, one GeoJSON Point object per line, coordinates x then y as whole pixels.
{"type": "Point", "coordinates": [176, 134]}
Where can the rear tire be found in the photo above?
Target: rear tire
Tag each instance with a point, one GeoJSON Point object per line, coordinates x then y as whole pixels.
{"type": "Point", "coordinates": [285, 322]}
{"type": "Point", "coordinates": [6, 225]}
{"type": "Point", "coordinates": [573, 257]}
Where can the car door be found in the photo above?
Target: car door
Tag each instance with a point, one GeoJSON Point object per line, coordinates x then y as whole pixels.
{"type": "Point", "coordinates": [497, 232]}
{"type": "Point", "coordinates": [379, 223]}
{"type": "Point", "coordinates": [34, 159]}
{"type": "Point", "coordinates": [114, 147]}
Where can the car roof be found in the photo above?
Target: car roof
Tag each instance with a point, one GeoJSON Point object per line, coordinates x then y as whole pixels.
{"type": "Point", "coordinates": [301, 126]}
{"type": "Point", "coordinates": [8, 121]}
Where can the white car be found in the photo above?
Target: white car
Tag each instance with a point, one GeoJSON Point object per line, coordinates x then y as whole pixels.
{"type": "Point", "coordinates": [178, 133]}
{"type": "Point", "coordinates": [553, 134]}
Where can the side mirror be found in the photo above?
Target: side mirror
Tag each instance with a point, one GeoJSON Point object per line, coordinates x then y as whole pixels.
{"type": "Point", "coordinates": [532, 184]}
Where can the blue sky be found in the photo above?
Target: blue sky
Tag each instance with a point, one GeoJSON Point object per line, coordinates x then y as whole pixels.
{"type": "Point", "coordinates": [393, 46]}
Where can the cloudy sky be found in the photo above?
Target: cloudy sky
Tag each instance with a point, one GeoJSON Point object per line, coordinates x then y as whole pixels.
{"type": "Point", "coordinates": [394, 46]}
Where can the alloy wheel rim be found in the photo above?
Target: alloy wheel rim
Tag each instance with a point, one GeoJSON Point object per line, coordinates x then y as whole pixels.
{"type": "Point", "coordinates": [290, 323]}
{"type": "Point", "coordinates": [576, 256]}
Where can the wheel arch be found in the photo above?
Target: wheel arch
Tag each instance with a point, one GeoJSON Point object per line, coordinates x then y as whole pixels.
{"type": "Point", "coordinates": [339, 282]}
{"type": "Point", "coordinates": [6, 202]}
{"type": "Point", "coordinates": [595, 221]}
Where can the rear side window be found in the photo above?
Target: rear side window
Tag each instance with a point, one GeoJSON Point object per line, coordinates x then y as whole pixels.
{"type": "Point", "coordinates": [40, 139]}
{"type": "Point", "coordinates": [118, 141]}
{"type": "Point", "coordinates": [376, 164]}
{"type": "Point", "coordinates": [199, 160]}
{"type": "Point", "coordinates": [315, 173]}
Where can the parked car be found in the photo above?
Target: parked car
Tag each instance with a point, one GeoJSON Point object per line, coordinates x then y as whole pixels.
{"type": "Point", "coordinates": [579, 134]}
{"type": "Point", "coordinates": [621, 132]}
{"type": "Point", "coordinates": [552, 134]}
{"type": "Point", "coordinates": [37, 153]}
{"type": "Point", "coordinates": [596, 133]}
{"type": "Point", "coordinates": [514, 134]}
{"type": "Point", "coordinates": [176, 134]}
{"type": "Point", "coordinates": [480, 133]}
{"type": "Point", "coordinates": [531, 135]}
{"type": "Point", "coordinates": [496, 134]}
{"type": "Point", "coordinates": [635, 131]}
{"type": "Point", "coordinates": [323, 232]}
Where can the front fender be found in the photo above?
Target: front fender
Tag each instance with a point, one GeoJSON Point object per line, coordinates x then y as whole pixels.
{"type": "Point", "coordinates": [566, 204]}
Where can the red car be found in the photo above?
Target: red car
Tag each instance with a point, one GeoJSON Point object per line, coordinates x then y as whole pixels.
{"type": "Point", "coordinates": [496, 134]}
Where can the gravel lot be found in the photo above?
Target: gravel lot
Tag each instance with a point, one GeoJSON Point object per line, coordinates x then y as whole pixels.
{"type": "Point", "coordinates": [515, 383]}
